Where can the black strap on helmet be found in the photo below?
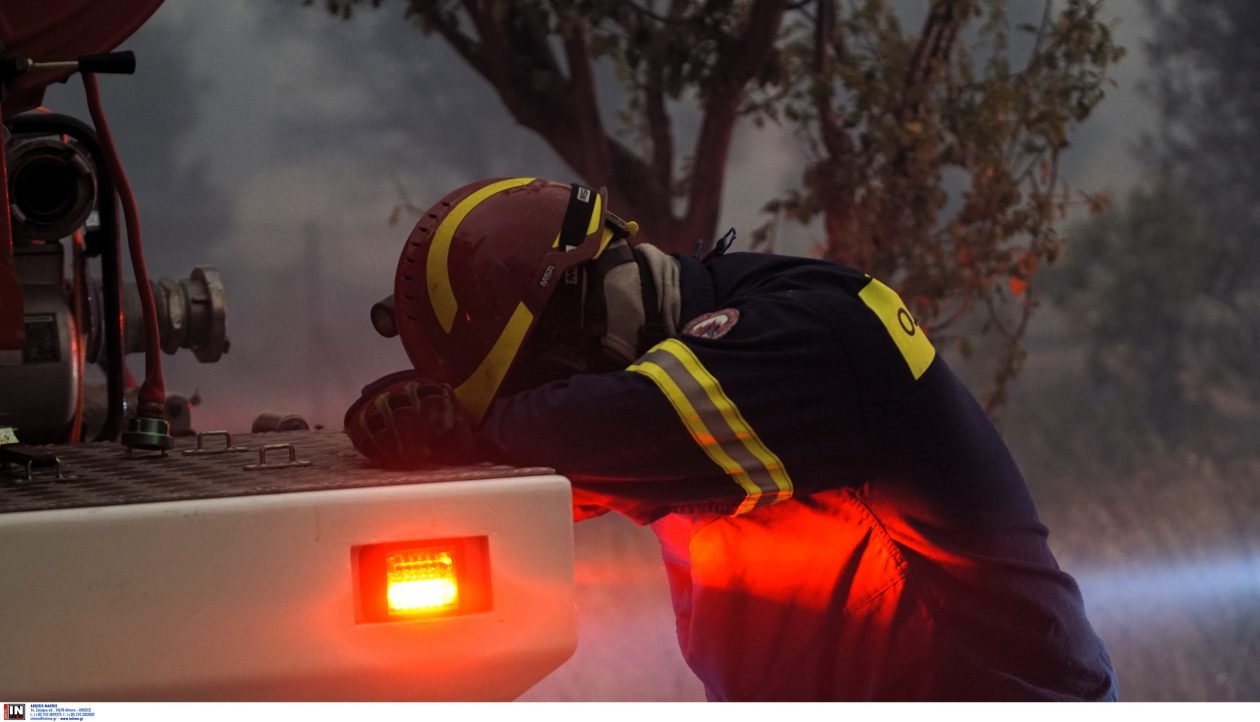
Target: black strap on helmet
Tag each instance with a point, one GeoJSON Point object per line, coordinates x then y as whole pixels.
{"type": "Point", "coordinates": [569, 336]}
{"type": "Point", "coordinates": [577, 216]}
{"type": "Point", "coordinates": [567, 311]}
{"type": "Point", "coordinates": [561, 342]}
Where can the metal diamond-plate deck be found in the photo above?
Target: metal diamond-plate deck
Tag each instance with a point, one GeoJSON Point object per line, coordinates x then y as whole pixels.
{"type": "Point", "coordinates": [104, 475]}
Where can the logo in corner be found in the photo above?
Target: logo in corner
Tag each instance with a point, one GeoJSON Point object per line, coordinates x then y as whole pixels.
{"type": "Point", "coordinates": [712, 325]}
{"type": "Point", "coordinates": [14, 711]}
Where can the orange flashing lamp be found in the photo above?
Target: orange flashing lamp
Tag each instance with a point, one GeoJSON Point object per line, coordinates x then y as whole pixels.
{"type": "Point", "coordinates": [420, 581]}
{"type": "Point", "coordinates": [423, 579]}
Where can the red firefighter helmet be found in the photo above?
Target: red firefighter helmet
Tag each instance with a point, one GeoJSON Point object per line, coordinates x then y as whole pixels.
{"type": "Point", "coordinates": [478, 270]}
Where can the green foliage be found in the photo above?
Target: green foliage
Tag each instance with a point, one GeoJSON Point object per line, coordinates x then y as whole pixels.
{"type": "Point", "coordinates": [542, 56]}
{"type": "Point", "coordinates": [1168, 363]}
{"type": "Point", "coordinates": [1165, 293]}
{"type": "Point", "coordinates": [1207, 73]}
{"type": "Point", "coordinates": [936, 160]}
{"type": "Point", "coordinates": [934, 153]}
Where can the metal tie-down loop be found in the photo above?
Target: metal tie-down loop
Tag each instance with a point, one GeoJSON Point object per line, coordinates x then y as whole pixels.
{"type": "Point", "coordinates": [262, 458]}
{"type": "Point", "coordinates": [201, 447]}
{"type": "Point", "coordinates": [29, 459]}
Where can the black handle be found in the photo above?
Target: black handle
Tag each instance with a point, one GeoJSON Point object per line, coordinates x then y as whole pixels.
{"type": "Point", "coordinates": [11, 68]}
{"type": "Point", "coordinates": [122, 62]}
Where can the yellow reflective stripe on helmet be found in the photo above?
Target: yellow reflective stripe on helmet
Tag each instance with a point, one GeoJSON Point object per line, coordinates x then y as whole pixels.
{"type": "Point", "coordinates": [716, 423]}
{"type": "Point", "coordinates": [437, 271]}
{"type": "Point", "coordinates": [603, 242]}
{"type": "Point", "coordinates": [478, 390]}
{"type": "Point", "coordinates": [593, 225]}
{"type": "Point", "coordinates": [911, 340]}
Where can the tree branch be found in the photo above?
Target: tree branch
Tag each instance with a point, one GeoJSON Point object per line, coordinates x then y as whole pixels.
{"type": "Point", "coordinates": [936, 41]}
{"type": "Point", "coordinates": [636, 189]}
{"type": "Point", "coordinates": [659, 129]}
{"type": "Point", "coordinates": [737, 63]}
{"type": "Point", "coordinates": [466, 47]}
{"type": "Point", "coordinates": [1012, 357]}
{"type": "Point", "coordinates": [597, 165]}
{"type": "Point", "coordinates": [835, 141]}
{"type": "Point", "coordinates": [648, 12]}
{"type": "Point", "coordinates": [496, 55]}
{"type": "Point", "coordinates": [498, 51]}
{"type": "Point", "coordinates": [748, 53]}
{"type": "Point", "coordinates": [520, 65]}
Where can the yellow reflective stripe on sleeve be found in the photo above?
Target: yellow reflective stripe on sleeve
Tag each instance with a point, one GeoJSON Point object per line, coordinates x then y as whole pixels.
{"type": "Point", "coordinates": [716, 424]}
{"type": "Point", "coordinates": [479, 388]}
{"type": "Point", "coordinates": [703, 437]}
{"type": "Point", "coordinates": [913, 343]}
{"type": "Point", "coordinates": [730, 413]}
{"type": "Point", "coordinates": [437, 271]}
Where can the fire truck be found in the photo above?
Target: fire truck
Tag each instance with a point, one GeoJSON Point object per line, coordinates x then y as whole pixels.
{"type": "Point", "coordinates": [145, 562]}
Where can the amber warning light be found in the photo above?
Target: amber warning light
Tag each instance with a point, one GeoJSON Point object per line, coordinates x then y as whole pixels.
{"type": "Point", "coordinates": [418, 582]}
{"type": "Point", "coordinates": [421, 579]}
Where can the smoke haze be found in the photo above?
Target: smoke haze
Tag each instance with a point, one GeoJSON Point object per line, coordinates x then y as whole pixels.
{"type": "Point", "coordinates": [275, 142]}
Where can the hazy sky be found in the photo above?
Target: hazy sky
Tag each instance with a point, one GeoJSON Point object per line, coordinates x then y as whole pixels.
{"type": "Point", "coordinates": [271, 141]}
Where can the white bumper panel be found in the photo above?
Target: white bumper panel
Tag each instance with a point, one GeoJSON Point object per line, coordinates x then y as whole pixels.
{"type": "Point", "coordinates": [252, 598]}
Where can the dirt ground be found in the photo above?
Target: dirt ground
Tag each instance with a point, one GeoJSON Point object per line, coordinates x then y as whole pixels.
{"type": "Point", "coordinates": [1170, 573]}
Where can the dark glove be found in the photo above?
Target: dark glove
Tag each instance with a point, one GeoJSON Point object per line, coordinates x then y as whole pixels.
{"type": "Point", "coordinates": [405, 420]}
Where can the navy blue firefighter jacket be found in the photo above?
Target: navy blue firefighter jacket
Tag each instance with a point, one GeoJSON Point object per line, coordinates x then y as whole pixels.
{"type": "Point", "coordinates": [838, 516]}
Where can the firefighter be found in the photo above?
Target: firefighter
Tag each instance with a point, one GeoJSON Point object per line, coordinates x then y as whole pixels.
{"type": "Point", "coordinates": [837, 516]}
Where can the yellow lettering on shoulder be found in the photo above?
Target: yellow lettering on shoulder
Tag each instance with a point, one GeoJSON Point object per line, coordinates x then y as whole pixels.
{"type": "Point", "coordinates": [913, 343]}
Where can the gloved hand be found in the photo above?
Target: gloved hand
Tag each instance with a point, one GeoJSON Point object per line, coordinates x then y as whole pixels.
{"type": "Point", "coordinates": [405, 420]}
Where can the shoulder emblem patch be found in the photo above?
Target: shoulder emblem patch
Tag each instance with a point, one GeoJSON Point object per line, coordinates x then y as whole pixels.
{"type": "Point", "coordinates": [911, 341]}
{"type": "Point", "coordinates": [712, 325]}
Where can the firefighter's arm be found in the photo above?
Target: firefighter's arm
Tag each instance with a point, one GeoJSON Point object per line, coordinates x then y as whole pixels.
{"type": "Point", "coordinates": [601, 431]}
{"type": "Point", "coordinates": [595, 426]}
{"type": "Point", "coordinates": [740, 419]}
{"type": "Point", "coordinates": [600, 427]}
